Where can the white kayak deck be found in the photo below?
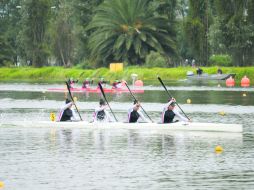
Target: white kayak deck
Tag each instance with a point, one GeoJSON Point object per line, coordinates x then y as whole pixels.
{"type": "Point", "coordinates": [179, 126]}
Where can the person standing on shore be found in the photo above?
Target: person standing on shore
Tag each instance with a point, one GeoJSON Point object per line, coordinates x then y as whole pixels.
{"type": "Point", "coordinates": [219, 71]}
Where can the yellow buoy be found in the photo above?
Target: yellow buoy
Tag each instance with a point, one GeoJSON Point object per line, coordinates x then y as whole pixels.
{"type": "Point", "coordinates": [1, 184]}
{"type": "Point", "coordinates": [75, 99]}
{"type": "Point", "coordinates": [219, 85]}
{"type": "Point", "coordinates": [244, 95]}
{"type": "Point", "coordinates": [52, 116]}
{"type": "Point", "coordinates": [43, 92]}
{"type": "Point", "coordinates": [188, 101]}
{"type": "Point", "coordinates": [222, 113]}
{"type": "Point", "coordinates": [218, 148]}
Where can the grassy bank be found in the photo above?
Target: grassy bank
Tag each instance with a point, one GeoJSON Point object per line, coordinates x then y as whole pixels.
{"type": "Point", "coordinates": [59, 74]}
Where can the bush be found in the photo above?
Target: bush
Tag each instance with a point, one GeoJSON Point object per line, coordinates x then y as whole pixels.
{"type": "Point", "coordinates": [155, 59]}
{"type": "Point", "coordinates": [85, 65]}
{"type": "Point", "coordinates": [220, 60]}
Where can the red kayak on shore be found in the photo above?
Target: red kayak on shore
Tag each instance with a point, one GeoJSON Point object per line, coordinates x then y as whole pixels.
{"type": "Point", "coordinates": [96, 90]}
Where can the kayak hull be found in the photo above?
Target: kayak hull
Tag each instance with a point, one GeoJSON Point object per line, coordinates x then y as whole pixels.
{"type": "Point", "coordinates": [179, 126]}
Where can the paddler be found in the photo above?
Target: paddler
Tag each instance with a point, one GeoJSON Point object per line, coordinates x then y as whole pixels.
{"type": "Point", "coordinates": [101, 114]}
{"type": "Point", "coordinates": [71, 82]}
{"type": "Point", "coordinates": [66, 112]}
{"type": "Point", "coordinates": [116, 84]}
{"type": "Point", "coordinates": [134, 113]}
{"type": "Point", "coordinates": [86, 83]}
{"type": "Point", "coordinates": [169, 112]}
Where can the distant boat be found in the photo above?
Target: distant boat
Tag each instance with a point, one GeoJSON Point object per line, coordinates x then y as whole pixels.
{"type": "Point", "coordinates": [97, 90]}
{"type": "Point", "coordinates": [205, 76]}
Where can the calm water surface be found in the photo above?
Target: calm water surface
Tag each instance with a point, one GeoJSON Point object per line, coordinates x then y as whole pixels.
{"type": "Point", "coordinates": [53, 158]}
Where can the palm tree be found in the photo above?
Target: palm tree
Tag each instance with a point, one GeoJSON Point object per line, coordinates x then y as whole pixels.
{"type": "Point", "coordinates": [126, 30]}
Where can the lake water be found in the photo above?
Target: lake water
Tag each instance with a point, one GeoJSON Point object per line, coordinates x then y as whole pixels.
{"type": "Point", "coordinates": [55, 158]}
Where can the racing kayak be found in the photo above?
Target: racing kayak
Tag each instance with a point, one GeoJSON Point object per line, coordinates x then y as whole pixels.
{"type": "Point", "coordinates": [95, 90]}
{"type": "Point", "coordinates": [179, 126]}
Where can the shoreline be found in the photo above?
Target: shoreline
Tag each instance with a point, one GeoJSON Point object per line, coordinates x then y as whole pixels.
{"type": "Point", "coordinates": [59, 74]}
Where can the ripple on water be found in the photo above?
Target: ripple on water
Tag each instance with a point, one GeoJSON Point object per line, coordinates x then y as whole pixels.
{"type": "Point", "coordinates": [122, 159]}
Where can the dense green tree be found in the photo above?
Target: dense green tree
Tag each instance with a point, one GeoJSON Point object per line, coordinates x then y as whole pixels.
{"type": "Point", "coordinates": [69, 32]}
{"type": "Point", "coordinates": [62, 33]}
{"type": "Point", "coordinates": [6, 52]}
{"type": "Point", "coordinates": [33, 36]}
{"type": "Point", "coordinates": [168, 8]}
{"type": "Point", "coordinates": [9, 27]}
{"type": "Point", "coordinates": [83, 12]}
{"type": "Point", "coordinates": [69, 38]}
{"type": "Point", "coordinates": [196, 30]}
{"type": "Point", "coordinates": [235, 22]}
{"type": "Point", "coordinates": [181, 37]}
{"type": "Point", "coordinates": [127, 30]}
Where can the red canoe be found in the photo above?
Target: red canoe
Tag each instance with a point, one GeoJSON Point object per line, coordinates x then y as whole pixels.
{"type": "Point", "coordinates": [96, 90]}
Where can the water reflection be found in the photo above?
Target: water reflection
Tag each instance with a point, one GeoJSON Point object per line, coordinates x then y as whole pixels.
{"type": "Point", "coordinates": [122, 159]}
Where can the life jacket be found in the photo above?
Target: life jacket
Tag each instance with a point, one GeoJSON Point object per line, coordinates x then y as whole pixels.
{"type": "Point", "coordinates": [168, 116]}
{"type": "Point", "coordinates": [67, 114]}
{"type": "Point", "coordinates": [100, 115]}
{"type": "Point", "coordinates": [134, 116]}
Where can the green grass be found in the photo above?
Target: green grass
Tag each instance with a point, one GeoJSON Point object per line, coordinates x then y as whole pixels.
{"type": "Point", "coordinates": [59, 74]}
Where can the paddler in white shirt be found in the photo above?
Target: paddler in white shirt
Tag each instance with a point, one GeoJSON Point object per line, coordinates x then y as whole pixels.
{"type": "Point", "coordinates": [134, 113]}
{"type": "Point", "coordinates": [66, 112]}
{"type": "Point", "coordinates": [101, 114]}
{"type": "Point", "coordinates": [169, 112]}
{"type": "Point", "coordinates": [116, 85]}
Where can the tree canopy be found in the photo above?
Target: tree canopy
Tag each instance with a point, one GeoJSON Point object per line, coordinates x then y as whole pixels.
{"type": "Point", "coordinates": [126, 30]}
{"type": "Point", "coordinates": [94, 33]}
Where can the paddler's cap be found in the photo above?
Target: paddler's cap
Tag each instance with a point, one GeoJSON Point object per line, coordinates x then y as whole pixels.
{"type": "Point", "coordinates": [102, 102]}
{"type": "Point", "coordinates": [67, 101]}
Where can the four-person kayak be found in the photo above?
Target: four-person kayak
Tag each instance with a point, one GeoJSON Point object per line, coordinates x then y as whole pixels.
{"type": "Point", "coordinates": [178, 126]}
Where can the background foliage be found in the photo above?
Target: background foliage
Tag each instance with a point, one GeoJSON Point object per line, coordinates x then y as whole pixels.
{"type": "Point", "coordinates": [60, 74]}
{"type": "Point", "coordinates": [94, 33]}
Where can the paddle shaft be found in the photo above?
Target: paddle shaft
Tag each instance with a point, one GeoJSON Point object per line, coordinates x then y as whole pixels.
{"type": "Point", "coordinates": [171, 97]}
{"type": "Point", "coordinates": [80, 75]}
{"type": "Point", "coordinates": [137, 100]}
{"type": "Point", "coordinates": [68, 87]}
{"type": "Point", "coordinates": [102, 91]}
